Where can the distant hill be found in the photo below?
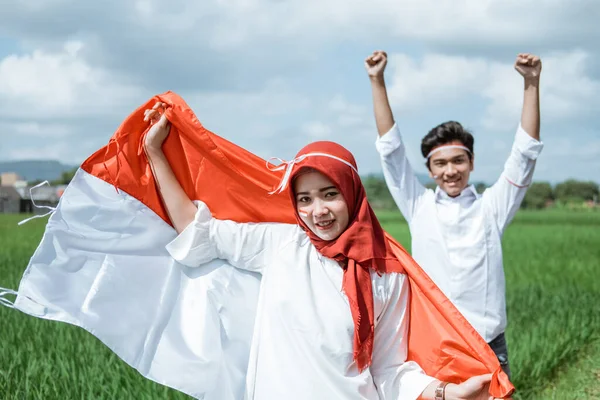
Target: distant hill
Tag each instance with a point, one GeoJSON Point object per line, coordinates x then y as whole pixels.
{"type": "Point", "coordinates": [36, 169]}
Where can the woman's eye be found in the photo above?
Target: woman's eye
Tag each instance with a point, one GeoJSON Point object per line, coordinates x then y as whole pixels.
{"type": "Point", "coordinates": [331, 194]}
{"type": "Point", "coordinates": [304, 199]}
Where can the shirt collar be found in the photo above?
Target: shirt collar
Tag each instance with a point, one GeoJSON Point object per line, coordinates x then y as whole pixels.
{"type": "Point", "coordinates": [469, 191]}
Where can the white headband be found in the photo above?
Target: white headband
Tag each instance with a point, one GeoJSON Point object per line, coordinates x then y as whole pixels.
{"type": "Point", "coordinates": [450, 146]}
{"type": "Point", "coordinates": [289, 166]}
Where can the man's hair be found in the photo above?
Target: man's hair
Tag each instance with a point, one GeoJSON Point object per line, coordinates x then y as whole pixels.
{"type": "Point", "coordinates": [445, 133]}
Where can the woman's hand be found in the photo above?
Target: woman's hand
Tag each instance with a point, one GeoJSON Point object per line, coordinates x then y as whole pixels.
{"type": "Point", "coordinates": [160, 127]}
{"type": "Point", "coordinates": [474, 388]}
{"type": "Point", "coordinates": [180, 208]}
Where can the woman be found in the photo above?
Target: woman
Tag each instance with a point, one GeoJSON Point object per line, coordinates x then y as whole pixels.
{"type": "Point", "coordinates": [332, 315]}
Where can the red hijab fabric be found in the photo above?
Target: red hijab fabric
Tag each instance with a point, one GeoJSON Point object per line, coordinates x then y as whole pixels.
{"type": "Point", "coordinates": [362, 247]}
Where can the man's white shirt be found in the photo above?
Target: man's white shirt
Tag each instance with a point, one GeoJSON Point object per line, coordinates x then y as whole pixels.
{"type": "Point", "coordinates": [457, 241]}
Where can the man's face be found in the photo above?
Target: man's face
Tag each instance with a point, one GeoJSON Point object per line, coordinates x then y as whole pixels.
{"type": "Point", "coordinates": [450, 168]}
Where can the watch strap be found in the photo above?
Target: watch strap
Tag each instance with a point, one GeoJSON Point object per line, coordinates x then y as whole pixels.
{"type": "Point", "coordinates": [440, 391]}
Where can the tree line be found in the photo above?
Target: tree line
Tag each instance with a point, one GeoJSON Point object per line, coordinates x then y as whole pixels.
{"type": "Point", "coordinates": [571, 193]}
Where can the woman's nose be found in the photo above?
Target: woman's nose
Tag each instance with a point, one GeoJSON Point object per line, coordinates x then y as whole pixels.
{"type": "Point", "coordinates": [320, 208]}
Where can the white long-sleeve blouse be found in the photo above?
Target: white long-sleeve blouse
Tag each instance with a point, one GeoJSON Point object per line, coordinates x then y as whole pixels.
{"type": "Point", "coordinates": [302, 346]}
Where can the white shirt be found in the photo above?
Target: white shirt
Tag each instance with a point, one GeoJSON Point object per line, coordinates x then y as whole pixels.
{"type": "Point", "coordinates": [302, 346]}
{"type": "Point", "coordinates": [457, 241]}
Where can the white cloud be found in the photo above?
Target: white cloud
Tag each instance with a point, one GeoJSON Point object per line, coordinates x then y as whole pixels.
{"type": "Point", "coordinates": [317, 130]}
{"type": "Point", "coordinates": [53, 85]}
{"type": "Point", "coordinates": [251, 119]}
{"type": "Point", "coordinates": [567, 91]}
{"type": "Point", "coordinates": [275, 98]}
{"type": "Point", "coordinates": [57, 105]}
{"type": "Point", "coordinates": [350, 124]}
{"type": "Point", "coordinates": [69, 142]}
{"type": "Point", "coordinates": [36, 153]}
{"type": "Point", "coordinates": [493, 22]}
{"type": "Point", "coordinates": [570, 148]}
{"type": "Point", "coordinates": [263, 73]}
{"type": "Point", "coordinates": [34, 129]}
{"type": "Point", "coordinates": [436, 79]}
{"type": "Point", "coordinates": [241, 44]}
{"type": "Point", "coordinates": [258, 120]}
{"type": "Point", "coordinates": [233, 25]}
{"type": "Point", "coordinates": [346, 115]}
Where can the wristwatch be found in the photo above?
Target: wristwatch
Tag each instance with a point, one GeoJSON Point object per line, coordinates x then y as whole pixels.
{"type": "Point", "coordinates": [440, 391]}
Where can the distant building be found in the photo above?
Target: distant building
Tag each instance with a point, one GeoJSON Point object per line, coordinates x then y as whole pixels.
{"type": "Point", "coordinates": [19, 184]}
{"type": "Point", "coordinates": [19, 199]}
{"type": "Point", "coordinates": [10, 200]}
{"type": "Point", "coordinates": [9, 178]}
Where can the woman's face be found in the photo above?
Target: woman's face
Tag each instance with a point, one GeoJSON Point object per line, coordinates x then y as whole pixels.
{"type": "Point", "coordinates": [321, 205]}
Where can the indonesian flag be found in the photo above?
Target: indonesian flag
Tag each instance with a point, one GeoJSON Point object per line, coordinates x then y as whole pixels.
{"type": "Point", "coordinates": [102, 265]}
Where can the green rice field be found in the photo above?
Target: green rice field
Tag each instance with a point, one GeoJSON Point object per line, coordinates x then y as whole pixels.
{"type": "Point", "coordinates": [552, 263]}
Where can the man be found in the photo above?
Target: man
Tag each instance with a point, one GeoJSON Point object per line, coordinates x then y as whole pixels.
{"type": "Point", "coordinates": [456, 233]}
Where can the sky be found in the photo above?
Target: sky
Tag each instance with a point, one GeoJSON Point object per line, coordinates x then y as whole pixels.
{"type": "Point", "coordinates": [274, 75]}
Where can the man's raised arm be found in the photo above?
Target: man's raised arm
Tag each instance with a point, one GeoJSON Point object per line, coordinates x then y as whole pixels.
{"type": "Point", "coordinates": [375, 65]}
{"type": "Point", "coordinates": [404, 186]}
{"type": "Point", "coordinates": [530, 67]}
{"type": "Point", "coordinates": [508, 192]}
